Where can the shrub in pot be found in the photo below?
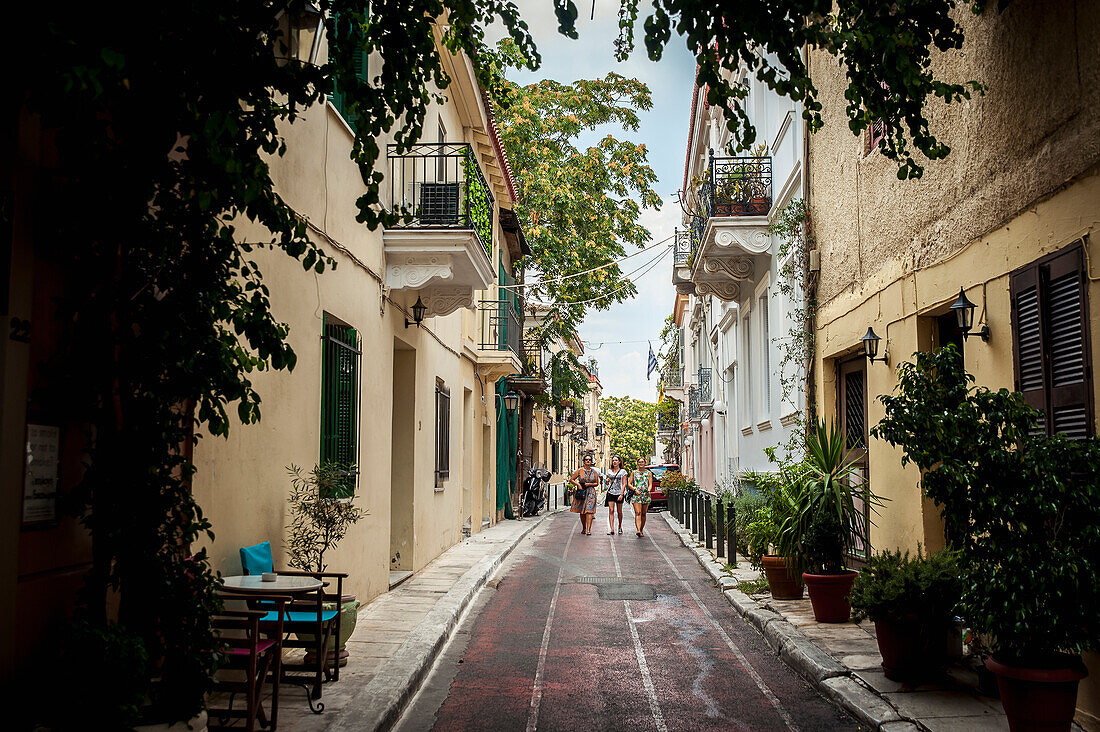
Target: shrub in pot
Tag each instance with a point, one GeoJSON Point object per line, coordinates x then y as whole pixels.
{"type": "Point", "coordinates": [1023, 509]}
{"type": "Point", "coordinates": [322, 509]}
{"type": "Point", "coordinates": [761, 532]}
{"type": "Point", "coordinates": [822, 524]}
{"type": "Point", "coordinates": [912, 602]}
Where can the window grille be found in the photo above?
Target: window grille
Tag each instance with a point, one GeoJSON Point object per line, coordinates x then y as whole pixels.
{"type": "Point", "coordinates": [442, 434]}
{"type": "Point", "coordinates": [340, 398]}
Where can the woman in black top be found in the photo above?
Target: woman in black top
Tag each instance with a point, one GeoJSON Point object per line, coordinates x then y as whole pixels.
{"type": "Point", "coordinates": [616, 492]}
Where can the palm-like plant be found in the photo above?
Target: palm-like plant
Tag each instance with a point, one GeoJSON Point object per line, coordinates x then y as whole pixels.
{"type": "Point", "coordinates": [823, 523]}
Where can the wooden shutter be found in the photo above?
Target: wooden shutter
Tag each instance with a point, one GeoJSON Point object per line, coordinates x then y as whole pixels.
{"type": "Point", "coordinates": [442, 434]}
{"type": "Point", "coordinates": [340, 398]}
{"type": "Point", "coordinates": [1050, 340]}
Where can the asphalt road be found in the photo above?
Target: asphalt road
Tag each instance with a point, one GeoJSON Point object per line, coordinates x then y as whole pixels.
{"type": "Point", "coordinates": [610, 633]}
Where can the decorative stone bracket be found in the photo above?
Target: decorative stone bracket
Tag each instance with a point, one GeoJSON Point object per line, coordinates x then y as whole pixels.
{"type": "Point", "coordinates": [444, 266]}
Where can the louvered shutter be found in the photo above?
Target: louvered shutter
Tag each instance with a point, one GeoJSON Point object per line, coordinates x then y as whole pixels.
{"type": "Point", "coordinates": [338, 98]}
{"type": "Point", "coordinates": [1027, 338]}
{"type": "Point", "coordinates": [442, 434]}
{"type": "Point", "coordinates": [1067, 318]}
{"type": "Point", "coordinates": [1051, 342]}
{"type": "Point", "coordinates": [340, 399]}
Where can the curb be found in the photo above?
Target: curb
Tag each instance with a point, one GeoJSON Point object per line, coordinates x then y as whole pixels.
{"type": "Point", "coordinates": [378, 706]}
{"type": "Point", "coordinates": [831, 678]}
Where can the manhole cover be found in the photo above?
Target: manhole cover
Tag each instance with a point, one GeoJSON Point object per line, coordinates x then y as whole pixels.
{"type": "Point", "coordinates": [618, 588]}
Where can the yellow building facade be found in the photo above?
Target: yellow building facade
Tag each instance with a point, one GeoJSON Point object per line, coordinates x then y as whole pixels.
{"type": "Point", "coordinates": [1009, 217]}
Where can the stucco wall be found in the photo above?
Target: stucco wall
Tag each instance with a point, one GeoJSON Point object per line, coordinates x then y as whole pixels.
{"type": "Point", "coordinates": [1034, 129]}
{"type": "Point", "coordinates": [242, 483]}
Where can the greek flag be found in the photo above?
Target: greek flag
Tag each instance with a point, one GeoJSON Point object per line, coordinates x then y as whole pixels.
{"type": "Point", "coordinates": [652, 363]}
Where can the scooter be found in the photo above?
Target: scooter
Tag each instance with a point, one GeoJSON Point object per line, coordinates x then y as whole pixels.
{"type": "Point", "coordinates": [534, 493]}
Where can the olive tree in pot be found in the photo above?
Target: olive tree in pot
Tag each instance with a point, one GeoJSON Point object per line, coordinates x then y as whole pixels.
{"type": "Point", "coordinates": [1023, 510]}
{"type": "Point", "coordinates": [823, 524]}
{"type": "Point", "coordinates": [912, 602]}
{"type": "Point", "coordinates": [322, 509]}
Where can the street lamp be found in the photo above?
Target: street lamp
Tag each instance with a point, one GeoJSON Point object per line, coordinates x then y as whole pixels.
{"type": "Point", "coordinates": [870, 342]}
{"type": "Point", "coordinates": [964, 313]}
{"type": "Point", "coordinates": [511, 401]}
{"type": "Point", "coordinates": [418, 313]}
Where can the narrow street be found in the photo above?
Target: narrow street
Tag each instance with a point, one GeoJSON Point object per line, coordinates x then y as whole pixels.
{"type": "Point", "coordinates": [606, 633]}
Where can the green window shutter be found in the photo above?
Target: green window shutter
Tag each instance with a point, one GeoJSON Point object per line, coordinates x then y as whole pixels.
{"type": "Point", "coordinates": [340, 396]}
{"type": "Point", "coordinates": [338, 98]}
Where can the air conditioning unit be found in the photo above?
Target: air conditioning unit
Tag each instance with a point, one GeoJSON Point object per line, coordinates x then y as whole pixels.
{"type": "Point", "coordinates": [439, 204]}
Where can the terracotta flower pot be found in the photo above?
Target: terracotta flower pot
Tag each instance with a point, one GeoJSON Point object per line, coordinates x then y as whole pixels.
{"type": "Point", "coordinates": [829, 595]}
{"type": "Point", "coordinates": [1039, 698]}
{"type": "Point", "coordinates": [783, 584]}
{"type": "Point", "coordinates": [911, 648]}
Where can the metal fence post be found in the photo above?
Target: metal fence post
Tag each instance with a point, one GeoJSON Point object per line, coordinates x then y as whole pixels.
{"type": "Point", "coordinates": [707, 522]}
{"type": "Point", "coordinates": [731, 534]}
{"type": "Point", "coordinates": [720, 526]}
{"type": "Point", "coordinates": [689, 510]}
{"type": "Point", "coordinates": [696, 500]}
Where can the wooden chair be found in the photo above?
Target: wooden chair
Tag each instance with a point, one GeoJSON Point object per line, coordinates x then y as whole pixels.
{"type": "Point", "coordinates": [247, 650]}
{"type": "Point", "coordinates": [306, 617]}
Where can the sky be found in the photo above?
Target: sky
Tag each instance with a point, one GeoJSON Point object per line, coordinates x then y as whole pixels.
{"type": "Point", "coordinates": [617, 337]}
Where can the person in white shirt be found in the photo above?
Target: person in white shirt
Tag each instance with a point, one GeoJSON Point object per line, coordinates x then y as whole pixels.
{"type": "Point", "coordinates": [615, 479]}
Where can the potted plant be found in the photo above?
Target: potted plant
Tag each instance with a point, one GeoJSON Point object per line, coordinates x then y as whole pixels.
{"type": "Point", "coordinates": [823, 525]}
{"type": "Point", "coordinates": [912, 602]}
{"type": "Point", "coordinates": [761, 532]}
{"type": "Point", "coordinates": [322, 509]}
{"type": "Point", "coordinates": [1023, 509]}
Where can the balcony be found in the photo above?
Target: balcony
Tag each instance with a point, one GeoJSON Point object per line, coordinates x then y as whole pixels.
{"type": "Point", "coordinates": [673, 378]}
{"type": "Point", "coordinates": [682, 258]}
{"type": "Point", "coordinates": [729, 229]}
{"type": "Point", "coordinates": [703, 381]}
{"type": "Point", "coordinates": [533, 380]}
{"type": "Point", "coordinates": [442, 246]}
{"type": "Point", "coordinates": [668, 422]}
{"type": "Point", "coordinates": [693, 404]}
{"type": "Point", "coordinates": [579, 417]}
{"type": "Point", "coordinates": [500, 329]}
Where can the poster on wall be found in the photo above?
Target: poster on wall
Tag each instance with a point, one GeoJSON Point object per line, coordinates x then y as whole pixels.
{"type": "Point", "coordinates": [40, 474]}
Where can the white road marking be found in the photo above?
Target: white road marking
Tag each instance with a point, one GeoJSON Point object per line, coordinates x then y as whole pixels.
{"type": "Point", "coordinates": [536, 691]}
{"type": "Point", "coordinates": [729, 642]}
{"type": "Point", "coordinates": [647, 680]}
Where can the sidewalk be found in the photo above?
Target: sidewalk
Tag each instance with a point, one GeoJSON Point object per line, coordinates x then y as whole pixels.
{"type": "Point", "coordinates": [399, 634]}
{"type": "Point", "coordinates": [842, 660]}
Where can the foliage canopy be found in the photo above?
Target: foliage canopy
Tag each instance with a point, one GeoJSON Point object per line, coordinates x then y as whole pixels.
{"type": "Point", "coordinates": [631, 425]}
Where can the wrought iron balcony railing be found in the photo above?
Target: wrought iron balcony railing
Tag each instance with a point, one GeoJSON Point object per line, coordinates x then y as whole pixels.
{"type": "Point", "coordinates": [739, 186]}
{"type": "Point", "coordinates": [532, 358]}
{"type": "Point", "coordinates": [693, 403]}
{"type": "Point", "coordinates": [668, 421]}
{"type": "Point", "coordinates": [682, 248]}
{"type": "Point", "coordinates": [705, 393]}
{"type": "Point", "coordinates": [673, 378]}
{"type": "Point", "coordinates": [501, 327]}
{"type": "Point", "coordinates": [439, 185]}
{"type": "Point", "coordinates": [579, 418]}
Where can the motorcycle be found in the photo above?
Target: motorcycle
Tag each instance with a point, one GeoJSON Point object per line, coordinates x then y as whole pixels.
{"type": "Point", "coordinates": [534, 491]}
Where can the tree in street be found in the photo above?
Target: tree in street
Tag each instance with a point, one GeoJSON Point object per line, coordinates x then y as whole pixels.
{"type": "Point", "coordinates": [631, 425]}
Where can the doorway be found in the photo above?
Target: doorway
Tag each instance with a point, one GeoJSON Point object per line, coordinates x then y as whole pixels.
{"type": "Point", "coordinates": [402, 460]}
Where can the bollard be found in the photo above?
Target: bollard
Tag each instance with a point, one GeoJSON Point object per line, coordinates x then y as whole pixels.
{"type": "Point", "coordinates": [690, 512]}
{"type": "Point", "coordinates": [710, 522]}
{"type": "Point", "coordinates": [720, 526]}
{"type": "Point", "coordinates": [697, 508]}
{"type": "Point", "coordinates": [731, 534]}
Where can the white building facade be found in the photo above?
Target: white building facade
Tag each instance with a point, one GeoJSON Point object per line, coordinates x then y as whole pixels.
{"type": "Point", "coordinates": [739, 394]}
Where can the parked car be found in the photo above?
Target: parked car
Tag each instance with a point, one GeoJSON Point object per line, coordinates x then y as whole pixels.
{"type": "Point", "coordinates": [659, 499]}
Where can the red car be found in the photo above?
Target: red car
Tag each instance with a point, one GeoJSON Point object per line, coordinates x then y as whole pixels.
{"type": "Point", "coordinates": [657, 496]}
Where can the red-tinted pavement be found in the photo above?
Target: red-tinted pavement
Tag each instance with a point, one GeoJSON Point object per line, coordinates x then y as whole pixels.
{"type": "Point", "coordinates": [557, 648]}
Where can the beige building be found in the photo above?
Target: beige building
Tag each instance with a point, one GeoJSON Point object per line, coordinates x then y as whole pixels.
{"type": "Point", "coordinates": [414, 406]}
{"type": "Point", "coordinates": [1009, 217]}
{"type": "Point", "coordinates": [400, 350]}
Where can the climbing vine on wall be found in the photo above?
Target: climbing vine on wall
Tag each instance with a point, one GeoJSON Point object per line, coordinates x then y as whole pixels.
{"type": "Point", "coordinates": [798, 284]}
{"type": "Point", "coordinates": [478, 203]}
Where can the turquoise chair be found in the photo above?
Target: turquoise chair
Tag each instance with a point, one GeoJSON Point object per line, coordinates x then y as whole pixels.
{"type": "Point", "coordinates": [308, 623]}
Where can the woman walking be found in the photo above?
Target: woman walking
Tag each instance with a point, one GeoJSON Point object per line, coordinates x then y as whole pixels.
{"type": "Point", "coordinates": [585, 482]}
{"type": "Point", "coordinates": [616, 489]}
{"type": "Point", "coordinates": [639, 484]}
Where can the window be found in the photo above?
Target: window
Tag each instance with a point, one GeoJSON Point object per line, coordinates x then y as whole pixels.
{"type": "Point", "coordinates": [338, 98]}
{"type": "Point", "coordinates": [340, 397]}
{"type": "Point", "coordinates": [442, 434]}
{"type": "Point", "coordinates": [1050, 341]}
{"type": "Point", "coordinates": [875, 132]}
{"type": "Point", "coordinates": [765, 357]}
{"type": "Point", "coordinates": [744, 367]}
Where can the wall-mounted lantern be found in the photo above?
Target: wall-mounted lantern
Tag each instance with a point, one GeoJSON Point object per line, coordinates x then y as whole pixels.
{"type": "Point", "coordinates": [511, 401]}
{"type": "Point", "coordinates": [418, 313]}
{"type": "Point", "coordinates": [964, 312]}
{"type": "Point", "coordinates": [870, 342]}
